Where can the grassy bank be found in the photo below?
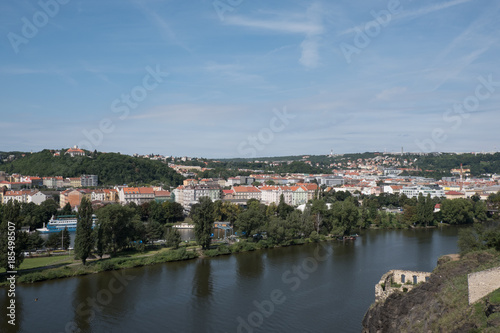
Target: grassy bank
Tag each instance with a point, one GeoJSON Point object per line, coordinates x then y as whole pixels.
{"type": "Point", "coordinates": [130, 259]}
{"type": "Point", "coordinates": [162, 256]}
{"type": "Point", "coordinates": [36, 262]}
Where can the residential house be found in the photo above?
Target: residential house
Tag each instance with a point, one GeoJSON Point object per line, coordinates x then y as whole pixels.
{"type": "Point", "coordinates": [88, 180]}
{"type": "Point", "coordinates": [75, 182]}
{"type": "Point", "coordinates": [246, 193]}
{"type": "Point", "coordinates": [49, 182]}
{"type": "Point", "coordinates": [36, 197]}
{"type": "Point", "coordinates": [162, 196]}
{"type": "Point", "coordinates": [19, 196]}
{"type": "Point", "coordinates": [455, 195]}
{"type": "Point", "coordinates": [71, 196]}
{"type": "Point", "coordinates": [75, 151]}
{"type": "Point", "coordinates": [138, 195]}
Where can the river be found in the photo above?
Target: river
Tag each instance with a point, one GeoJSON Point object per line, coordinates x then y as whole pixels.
{"type": "Point", "coordinates": [324, 287]}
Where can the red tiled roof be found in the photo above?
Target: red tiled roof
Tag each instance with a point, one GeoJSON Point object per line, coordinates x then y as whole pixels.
{"type": "Point", "coordinates": [162, 193]}
{"type": "Point", "coordinates": [146, 190]}
{"type": "Point", "coordinates": [243, 189]}
{"type": "Point", "coordinates": [130, 190]}
{"type": "Point", "coordinates": [453, 193]}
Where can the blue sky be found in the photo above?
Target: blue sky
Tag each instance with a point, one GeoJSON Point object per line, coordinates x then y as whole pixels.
{"type": "Point", "coordinates": [245, 78]}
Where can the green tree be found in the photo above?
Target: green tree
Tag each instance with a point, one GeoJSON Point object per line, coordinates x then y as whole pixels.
{"type": "Point", "coordinates": [65, 238]}
{"type": "Point", "coordinates": [319, 211]}
{"type": "Point", "coordinates": [457, 211]}
{"type": "Point", "coordinates": [251, 220]}
{"type": "Point", "coordinates": [66, 210]}
{"type": "Point", "coordinates": [345, 217]}
{"type": "Point", "coordinates": [157, 212]}
{"type": "Point", "coordinates": [478, 237]}
{"type": "Point", "coordinates": [83, 239]}
{"type": "Point", "coordinates": [283, 208]}
{"type": "Point", "coordinates": [34, 241]}
{"type": "Point", "coordinates": [480, 210]}
{"type": "Point", "coordinates": [117, 224]}
{"type": "Point", "coordinates": [54, 240]}
{"type": "Point", "coordinates": [154, 231]}
{"type": "Point", "coordinates": [173, 211]}
{"type": "Point", "coordinates": [230, 211]}
{"type": "Point", "coordinates": [203, 219]}
{"type": "Point", "coordinates": [172, 237]}
{"type": "Point", "coordinates": [409, 215]}
{"type": "Point", "coordinates": [425, 210]}
{"type": "Point", "coordinates": [12, 239]}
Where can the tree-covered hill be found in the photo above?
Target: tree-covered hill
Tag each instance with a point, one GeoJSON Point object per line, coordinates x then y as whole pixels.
{"type": "Point", "coordinates": [112, 168]}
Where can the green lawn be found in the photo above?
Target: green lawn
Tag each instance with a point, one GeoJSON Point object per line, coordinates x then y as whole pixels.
{"type": "Point", "coordinates": [43, 261]}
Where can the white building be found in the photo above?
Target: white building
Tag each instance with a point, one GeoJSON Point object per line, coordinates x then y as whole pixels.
{"type": "Point", "coordinates": [88, 180]}
{"type": "Point", "coordinates": [414, 191]}
{"type": "Point", "coordinates": [36, 197]}
{"type": "Point", "coordinates": [191, 194]}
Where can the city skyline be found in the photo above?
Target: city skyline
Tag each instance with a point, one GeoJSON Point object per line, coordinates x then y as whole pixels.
{"type": "Point", "coordinates": [250, 79]}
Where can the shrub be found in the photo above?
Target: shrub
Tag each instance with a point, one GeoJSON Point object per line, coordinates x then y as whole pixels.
{"type": "Point", "coordinates": [211, 253]}
{"type": "Point", "coordinates": [224, 249]}
{"type": "Point", "coordinates": [106, 265]}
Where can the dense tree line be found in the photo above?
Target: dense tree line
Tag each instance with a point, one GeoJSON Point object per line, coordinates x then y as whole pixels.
{"type": "Point", "coordinates": [336, 213]}
{"type": "Point", "coordinates": [112, 168]}
{"type": "Point", "coordinates": [479, 237]}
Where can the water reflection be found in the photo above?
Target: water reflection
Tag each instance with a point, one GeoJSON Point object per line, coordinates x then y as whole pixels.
{"type": "Point", "coordinates": [202, 280]}
{"type": "Point", "coordinates": [203, 294]}
{"type": "Point", "coordinates": [250, 265]}
{"type": "Point", "coordinates": [84, 313]}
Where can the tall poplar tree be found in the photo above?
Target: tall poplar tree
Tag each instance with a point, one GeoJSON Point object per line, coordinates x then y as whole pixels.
{"type": "Point", "coordinates": [203, 218]}
{"type": "Point", "coordinates": [83, 239]}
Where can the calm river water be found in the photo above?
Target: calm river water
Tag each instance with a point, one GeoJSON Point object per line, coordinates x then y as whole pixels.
{"type": "Point", "coordinates": [310, 288]}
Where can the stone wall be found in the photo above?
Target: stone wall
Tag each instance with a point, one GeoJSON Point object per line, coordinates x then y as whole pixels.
{"type": "Point", "coordinates": [407, 280]}
{"type": "Point", "coordinates": [483, 283]}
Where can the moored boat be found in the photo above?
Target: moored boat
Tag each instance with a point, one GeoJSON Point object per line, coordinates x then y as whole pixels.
{"type": "Point", "coordinates": [58, 223]}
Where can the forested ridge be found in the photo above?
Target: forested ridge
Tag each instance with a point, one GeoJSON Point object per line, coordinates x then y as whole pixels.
{"type": "Point", "coordinates": [112, 168]}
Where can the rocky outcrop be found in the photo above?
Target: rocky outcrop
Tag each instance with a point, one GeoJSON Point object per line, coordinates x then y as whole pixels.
{"type": "Point", "coordinates": [440, 305]}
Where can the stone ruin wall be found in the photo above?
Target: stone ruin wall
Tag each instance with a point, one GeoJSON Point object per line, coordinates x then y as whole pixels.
{"type": "Point", "coordinates": [483, 283]}
{"type": "Point", "coordinates": [396, 277]}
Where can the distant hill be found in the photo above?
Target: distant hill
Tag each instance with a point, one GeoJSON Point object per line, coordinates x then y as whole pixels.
{"type": "Point", "coordinates": [112, 168]}
{"type": "Point", "coordinates": [437, 164]}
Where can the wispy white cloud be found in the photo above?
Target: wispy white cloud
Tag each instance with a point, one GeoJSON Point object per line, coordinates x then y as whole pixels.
{"type": "Point", "coordinates": [277, 26]}
{"type": "Point", "coordinates": [163, 27]}
{"type": "Point", "coordinates": [410, 14]}
{"type": "Point", "coordinates": [309, 25]}
{"type": "Point", "coordinates": [430, 9]}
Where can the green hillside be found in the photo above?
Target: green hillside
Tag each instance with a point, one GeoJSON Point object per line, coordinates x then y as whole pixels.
{"type": "Point", "coordinates": [112, 168]}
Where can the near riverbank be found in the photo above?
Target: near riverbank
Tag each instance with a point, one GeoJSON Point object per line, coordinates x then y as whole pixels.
{"type": "Point", "coordinates": [66, 267]}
